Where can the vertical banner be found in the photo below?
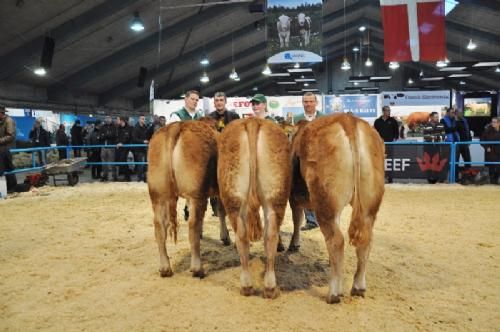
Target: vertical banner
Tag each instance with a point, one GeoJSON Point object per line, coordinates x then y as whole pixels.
{"type": "Point", "coordinates": [294, 31]}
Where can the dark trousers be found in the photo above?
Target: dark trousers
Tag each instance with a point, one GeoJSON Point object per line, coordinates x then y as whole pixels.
{"type": "Point", "coordinates": [121, 156]}
{"type": "Point", "coordinates": [494, 171]}
{"type": "Point", "coordinates": [77, 152]}
{"type": "Point", "coordinates": [140, 156]}
{"type": "Point", "coordinates": [108, 155]}
{"type": "Point", "coordinates": [62, 154]}
{"type": "Point", "coordinates": [6, 165]}
{"type": "Point", "coordinates": [463, 150]}
{"type": "Point", "coordinates": [95, 157]}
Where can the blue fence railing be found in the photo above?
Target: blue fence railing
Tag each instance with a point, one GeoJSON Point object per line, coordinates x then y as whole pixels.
{"type": "Point", "coordinates": [452, 163]}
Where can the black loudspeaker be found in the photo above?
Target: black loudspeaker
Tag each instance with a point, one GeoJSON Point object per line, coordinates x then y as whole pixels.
{"type": "Point", "coordinates": [47, 52]}
{"type": "Point", "coordinates": [256, 8]}
{"type": "Point", "coordinates": [143, 71]}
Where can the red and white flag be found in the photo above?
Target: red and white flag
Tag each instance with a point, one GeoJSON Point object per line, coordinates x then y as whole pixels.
{"type": "Point", "coordinates": [414, 30]}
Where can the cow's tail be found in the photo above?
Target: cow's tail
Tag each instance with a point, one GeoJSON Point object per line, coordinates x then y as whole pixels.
{"type": "Point", "coordinates": [173, 137]}
{"type": "Point", "coordinates": [254, 226]}
{"type": "Point", "coordinates": [357, 227]}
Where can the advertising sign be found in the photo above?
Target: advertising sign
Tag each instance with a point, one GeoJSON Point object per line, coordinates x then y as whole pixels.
{"type": "Point", "coordinates": [294, 31]}
{"type": "Point", "coordinates": [417, 98]}
{"type": "Point", "coordinates": [363, 106]}
{"type": "Point", "coordinates": [417, 162]}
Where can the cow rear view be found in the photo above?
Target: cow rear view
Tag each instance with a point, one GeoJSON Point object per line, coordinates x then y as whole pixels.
{"type": "Point", "coordinates": [338, 160]}
{"type": "Point", "coordinates": [254, 170]}
{"type": "Point", "coordinates": [182, 161]}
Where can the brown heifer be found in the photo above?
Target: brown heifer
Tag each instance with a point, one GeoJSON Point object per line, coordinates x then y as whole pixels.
{"type": "Point", "coordinates": [338, 160]}
{"type": "Point", "coordinates": [182, 159]}
{"type": "Point", "coordinates": [253, 170]}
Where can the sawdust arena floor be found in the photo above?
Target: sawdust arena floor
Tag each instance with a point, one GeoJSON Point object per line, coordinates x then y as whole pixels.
{"type": "Point", "coordinates": [85, 258]}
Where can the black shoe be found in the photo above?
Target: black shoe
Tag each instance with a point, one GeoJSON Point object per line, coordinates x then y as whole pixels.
{"type": "Point", "coordinates": [309, 226]}
{"type": "Point", "coordinates": [104, 179]}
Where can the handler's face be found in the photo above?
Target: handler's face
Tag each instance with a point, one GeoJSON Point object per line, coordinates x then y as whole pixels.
{"type": "Point", "coordinates": [259, 109]}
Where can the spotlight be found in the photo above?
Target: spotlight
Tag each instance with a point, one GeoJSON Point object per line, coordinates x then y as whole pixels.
{"type": "Point", "coordinates": [296, 65]}
{"type": "Point", "coordinates": [410, 81]}
{"type": "Point", "coordinates": [368, 62]}
{"type": "Point", "coordinates": [362, 28]}
{"type": "Point", "coordinates": [355, 49]}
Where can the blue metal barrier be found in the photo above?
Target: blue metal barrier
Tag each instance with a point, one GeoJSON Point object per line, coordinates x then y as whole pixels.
{"type": "Point", "coordinates": [453, 148]}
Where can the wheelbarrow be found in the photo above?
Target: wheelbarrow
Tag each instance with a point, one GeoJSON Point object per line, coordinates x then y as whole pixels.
{"type": "Point", "coordinates": [70, 168]}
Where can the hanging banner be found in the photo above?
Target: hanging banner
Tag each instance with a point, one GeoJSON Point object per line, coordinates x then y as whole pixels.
{"type": "Point", "coordinates": [294, 31]}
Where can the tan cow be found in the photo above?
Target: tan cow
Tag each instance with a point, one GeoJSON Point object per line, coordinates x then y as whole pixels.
{"type": "Point", "coordinates": [417, 118]}
{"type": "Point", "coordinates": [182, 159]}
{"type": "Point", "coordinates": [253, 170]}
{"type": "Point", "coordinates": [338, 160]}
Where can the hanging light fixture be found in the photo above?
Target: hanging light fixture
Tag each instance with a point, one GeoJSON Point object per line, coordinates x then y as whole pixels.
{"type": "Point", "coordinates": [393, 65]}
{"type": "Point", "coordinates": [296, 65]}
{"type": "Point", "coordinates": [204, 78]}
{"type": "Point", "coordinates": [40, 71]}
{"type": "Point", "coordinates": [421, 73]}
{"type": "Point", "coordinates": [497, 70]}
{"type": "Point", "coordinates": [136, 24]}
{"type": "Point", "coordinates": [410, 81]}
{"type": "Point", "coordinates": [204, 60]}
{"type": "Point", "coordinates": [441, 64]}
{"type": "Point", "coordinates": [368, 62]}
{"type": "Point", "coordinates": [471, 45]}
{"type": "Point", "coordinates": [462, 83]}
{"type": "Point", "coordinates": [345, 64]}
{"type": "Point", "coordinates": [233, 75]}
{"type": "Point", "coordinates": [267, 71]}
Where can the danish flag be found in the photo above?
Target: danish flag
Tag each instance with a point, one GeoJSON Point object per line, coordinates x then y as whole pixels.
{"type": "Point", "coordinates": [414, 30]}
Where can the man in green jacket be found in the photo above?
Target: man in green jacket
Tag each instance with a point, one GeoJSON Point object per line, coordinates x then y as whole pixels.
{"type": "Point", "coordinates": [188, 112]}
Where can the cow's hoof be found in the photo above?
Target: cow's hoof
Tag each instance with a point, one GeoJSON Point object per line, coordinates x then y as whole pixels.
{"type": "Point", "coordinates": [293, 248]}
{"type": "Point", "coordinates": [271, 293]}
{"type": "Point", "coordinates": [166, 273]}
{"type": "Point", "coordinates": [246, 291]}
{"type": "Point", "coordinates": [281, 247]}
{"type": "Point", "coordinates": [357, 292]}
{"type": "Point", "coordinates": [332, 299]}
{"type": "Point", "coordinates": [199, 274]}
{"type": "Point", "coordinates": [226, 242]}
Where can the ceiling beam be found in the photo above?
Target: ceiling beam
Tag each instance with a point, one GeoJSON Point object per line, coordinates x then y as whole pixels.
{"type": "Point", "coordinates": [136, 49]}
{"type": "Point", "coordinates": [15, 60]}
{"type": "Point", "coordinates": [124, 87]}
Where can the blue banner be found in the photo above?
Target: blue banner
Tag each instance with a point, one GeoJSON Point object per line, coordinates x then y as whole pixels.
{"type": "Point", "coordinates": [363, 106]}
{"type": "Point", "coordinates": [24, 124]}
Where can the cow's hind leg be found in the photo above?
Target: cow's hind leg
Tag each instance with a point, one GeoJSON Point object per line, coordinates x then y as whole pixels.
{"type": "Point", "coordinates": [297, 216]}
{"type": "Point", "coordinates": [224, 233]}
{"type": "Point", "coordinates": [360, 232]}
{"type": "Point", "coordinates": [271, 234]}
{"type": "Point", "coordinates": [335, 246]}
{"type": "Point", "coordinates": [243, 246]}
{"type": "Point", "coordinates": [197, 212]}
{"type": "Point", "coordinates": [161, 220]}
